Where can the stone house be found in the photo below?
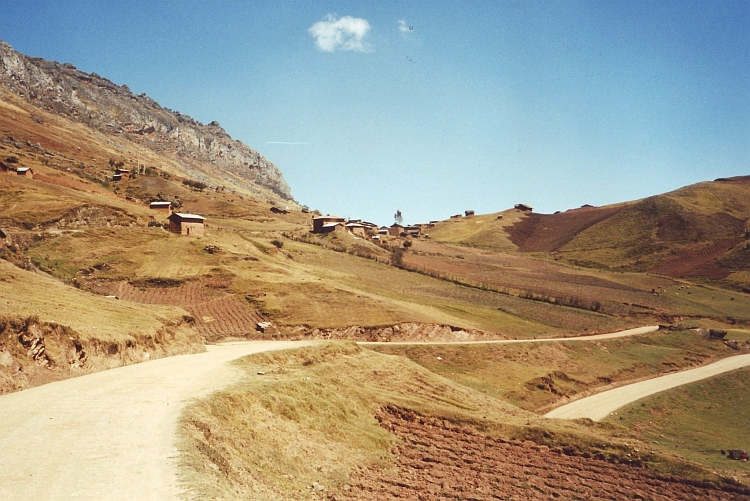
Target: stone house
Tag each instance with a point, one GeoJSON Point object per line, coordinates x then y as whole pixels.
{"type": "Point", "coordinates": [187, 224]}
{"type": "Point", "coordinates": [395, 230]}
{"type": "Point", "coordinates": [326, 224]}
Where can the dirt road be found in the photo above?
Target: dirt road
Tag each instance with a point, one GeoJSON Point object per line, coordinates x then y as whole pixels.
{"type": "Point", "coordinates": [610, 335]}
{"type": "Point", "coordinates": [109, 435]}
{"type": "Point", "coordinates": [599, 406]}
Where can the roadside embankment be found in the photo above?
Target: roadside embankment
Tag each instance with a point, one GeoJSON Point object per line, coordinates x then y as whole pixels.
{"type": "Point", "coordinates": [33, 352]}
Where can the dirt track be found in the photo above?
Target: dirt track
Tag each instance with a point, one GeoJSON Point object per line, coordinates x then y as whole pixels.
{"type": "Point", "coordinates": [108, 435]}
{"type": "Point", "coordinates": [596, 337]}
{"type": "Point", "coordinates": [599, 406]}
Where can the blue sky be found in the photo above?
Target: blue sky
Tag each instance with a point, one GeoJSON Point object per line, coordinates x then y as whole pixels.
{"type": "Point", "coordinates": [480, 105]}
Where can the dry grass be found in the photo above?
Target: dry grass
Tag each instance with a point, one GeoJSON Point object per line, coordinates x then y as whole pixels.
{"type": "Point", "coordinates": [25, 294]}
{"type": "Point", "coordinates": [310, 418]}
{"type": "Point", "coordinates": [539, 376]}
{"type": "Point", "coordinates": [696, 421]}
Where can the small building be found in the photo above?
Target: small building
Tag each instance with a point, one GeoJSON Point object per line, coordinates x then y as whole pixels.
{"type": "Point", "coordinates": [266, 328]}
{"type": "Point", "coordinates": [161, 206]}
{"type": "Point", "coordinates": [187, 224]}
{"type": "Point", "coordinates": [395, 230]}
{"type": "Point", "coordinates": [25, 172]}
{"type": "Point", "coordinates": [123, 173]}
{"type": "Point", "coordinates": [327, 224]}
{"type": "Point", "coordinates": [383, 230]}
{"type": "Point", "coordinates": [469, 213]}
{"type": "Point", "coordinates": [412, 231]}
{"type": "Point", "coordinates": [357, 229]}
{"type": "Point", "coordinates": [523, 207]}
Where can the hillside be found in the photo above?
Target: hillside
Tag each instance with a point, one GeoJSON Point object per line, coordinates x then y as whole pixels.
{"type": "Point", "coordinates": [700, 232]}
{"type": "Point", "coordinates": [201, 152]}
{"type": "Point", "coordinates": [91, 277]}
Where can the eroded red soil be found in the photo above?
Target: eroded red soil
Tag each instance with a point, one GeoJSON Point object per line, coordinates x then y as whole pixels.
{"type": "Point", "coordinates": [439, 460]}
{"type": "Point", "coordinates": [698, 261]}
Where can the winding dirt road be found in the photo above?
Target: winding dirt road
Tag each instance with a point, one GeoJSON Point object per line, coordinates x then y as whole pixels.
{"type": "Point", "coordinates": [599, 406]}
{"type": "Point", "coordinates": [594, 337]}
{"type": "Point", "coordinates": [111, 434]}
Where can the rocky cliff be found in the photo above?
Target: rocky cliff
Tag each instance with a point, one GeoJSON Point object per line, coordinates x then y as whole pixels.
{"type": "Point", "coordinates": [205, 151]}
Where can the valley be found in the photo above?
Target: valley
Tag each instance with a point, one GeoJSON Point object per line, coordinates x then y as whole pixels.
{"type": "Point", "coordinates": [415, 365]}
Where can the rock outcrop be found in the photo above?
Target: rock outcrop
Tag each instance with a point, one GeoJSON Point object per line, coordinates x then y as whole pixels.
{"type": "Point", "coordinates": [114, 110]}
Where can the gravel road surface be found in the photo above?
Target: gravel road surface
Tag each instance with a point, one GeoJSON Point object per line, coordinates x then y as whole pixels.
{"type": "Point", "coordinates": [594, 337]}
{"type": "Point", "coordinates": [599, 406]}
{"type": "Point", "coordinates": [109, 435]}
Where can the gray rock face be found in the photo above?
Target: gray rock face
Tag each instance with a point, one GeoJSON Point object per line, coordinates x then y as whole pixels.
{"type": "Point", "coordinates": [114, 110]}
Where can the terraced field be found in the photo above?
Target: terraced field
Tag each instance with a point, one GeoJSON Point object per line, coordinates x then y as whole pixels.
{"type": "Point", "coordinates": [697, 261]}
{"type": "Point", "coordinates": [439, 460]}
{"type": "Point", "coordinates": [217, 312]}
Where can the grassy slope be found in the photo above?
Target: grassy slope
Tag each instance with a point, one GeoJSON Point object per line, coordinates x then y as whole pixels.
{"type": "Point", "coordinates": [643, 236]}
{"type": "Point", "coordinates": [538, 376]}
{"type": "Point", "coordinates": [25, 294]}
{"type": "Point", "coordinates": [634, 236]}
{"type": "Point", "coordinates": [310, 418]}
{"type": "Point", "coordinates": [484, 231]}
{"type": "Point", "coordinates": [696, 420]}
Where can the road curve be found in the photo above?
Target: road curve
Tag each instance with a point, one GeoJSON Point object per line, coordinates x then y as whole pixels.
{"type": "Point", "coordinates": [594, 337]}
{"type": "Point", "coordinates": [599, 406]}
{"type": "Point", "coordinates": [109, 435]}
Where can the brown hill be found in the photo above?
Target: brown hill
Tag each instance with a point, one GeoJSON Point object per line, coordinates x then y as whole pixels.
{"type": "Point", "coordinates": [548, 232]}
{"type": "Point", "coordinates": [201, 152]}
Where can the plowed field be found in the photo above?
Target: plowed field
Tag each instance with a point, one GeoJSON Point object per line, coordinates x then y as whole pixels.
{"type": "Point", "coordinates": [697, 261]}
{"type": "Point", "coordinates": [439, 460]}
{"type": "Point", "coordinates": [217, 313]}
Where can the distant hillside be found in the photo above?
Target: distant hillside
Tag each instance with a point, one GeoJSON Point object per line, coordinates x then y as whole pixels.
{"type": "Point", "coordinates": [202, 152]}
{"type": "Point", "coordinates": [701, 230]}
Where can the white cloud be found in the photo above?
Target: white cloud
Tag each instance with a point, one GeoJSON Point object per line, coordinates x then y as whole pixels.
{"type": "Point", "coordinates": [346, 33]}
{"type": "Point", "coordinates": [403, 27]}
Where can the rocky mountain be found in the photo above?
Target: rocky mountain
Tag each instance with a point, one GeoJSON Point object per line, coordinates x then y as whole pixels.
{"type": "Point", "coordinates": [205, 152]}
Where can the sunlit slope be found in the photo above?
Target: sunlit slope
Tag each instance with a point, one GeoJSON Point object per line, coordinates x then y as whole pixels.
{"type": "Point", "coordinates": [700, 230]}
{"type": "Point", "coordinates": [27, 294]}
{"type": "Point", "coordinates": [707, 219]}
{"type": "Point", "coordinates": [486, 230]}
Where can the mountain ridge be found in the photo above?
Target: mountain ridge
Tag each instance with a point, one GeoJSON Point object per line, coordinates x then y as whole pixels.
{"type": "Point", "coordinates": [205, 152]}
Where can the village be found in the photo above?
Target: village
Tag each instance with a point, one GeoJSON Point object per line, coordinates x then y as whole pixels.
{"type": "Point", "coordinates": [194, 224]}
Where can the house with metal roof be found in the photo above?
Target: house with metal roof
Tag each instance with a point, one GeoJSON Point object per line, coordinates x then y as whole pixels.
{"type": "Point", "coordinates": [187, 224]}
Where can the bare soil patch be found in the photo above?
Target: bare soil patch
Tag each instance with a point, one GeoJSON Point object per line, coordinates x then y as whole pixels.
{"type": "Point", "coordinates": [217, 312]}
{"type": "Point", "coordinates": [697, 261]}
{"type": "Point", "coordinates": [440, 460]}
{"type": "Point", "coordinates": [549, 232]}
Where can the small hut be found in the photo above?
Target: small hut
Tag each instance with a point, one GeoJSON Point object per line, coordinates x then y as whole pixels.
{"type": "Point", "coordinates": [395, 230]}
{"type": "Point", "coordinates": [187, 224]}
{"type": "Point", "coordinates": [161, 206]}
{"type": "Point", "coordinates": [326, 224]}
{"type": "Point", "coordinates": [25, 172]}
{"type": "Point", "coordinates": [357, 229]}
{"type": "Point", "coordinates": [123, 173]}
